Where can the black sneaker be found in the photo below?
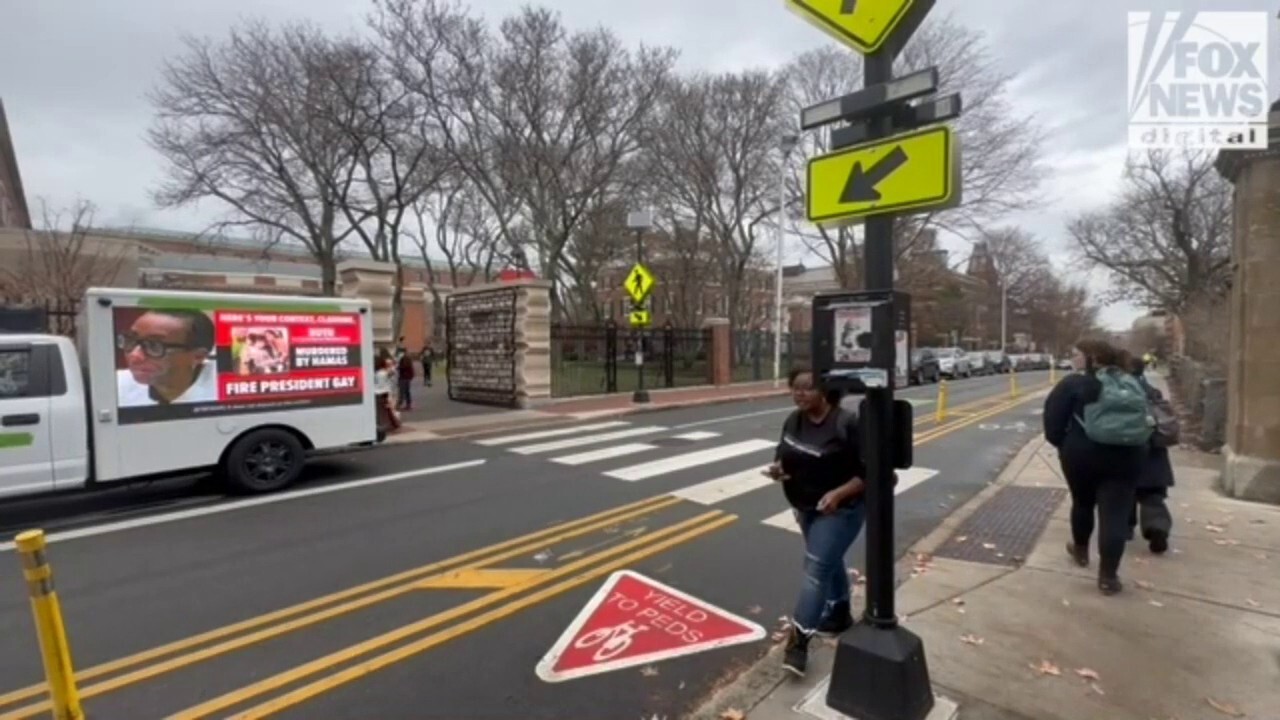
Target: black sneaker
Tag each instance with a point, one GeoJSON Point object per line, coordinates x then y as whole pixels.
{"type": "Point", "coordinates": [837, 621]}
{"type": "Point", "coordinates": [1079, 554]}
{"type": "Point", "coordinates": [796, 656]}
{"type": "Point", "coordinates": [1110, 585]}
{"type": "Point", "coordinates": [1158, 542]}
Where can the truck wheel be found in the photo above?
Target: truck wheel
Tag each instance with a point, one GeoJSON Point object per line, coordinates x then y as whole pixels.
{"type": "Point", "coordinates": [264, 461]}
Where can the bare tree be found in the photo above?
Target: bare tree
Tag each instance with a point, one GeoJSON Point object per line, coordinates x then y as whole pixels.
{"type": "Point", "coordinates": [258, 122]}
{"type": "Point", "coordinates": [713, 157]}
{"type": "Point", "coordinates": [532, 111]}
{"type": "Point", "coordinates": [57, 263]}
{"type": "Point", "coordinates": [1001, 167]}
{"type": "Point", "coordinates": [456, 239]}
{"type": "Point", "coordinates": [1167, 240]}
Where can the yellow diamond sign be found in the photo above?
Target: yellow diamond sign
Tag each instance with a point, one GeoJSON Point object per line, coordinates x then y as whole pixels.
{"type": "Point", "coordinates": [909, 172]}
{"type": "Point", "coordinates": [639, 283]}
{"type": "Point", "coordinates": [863, 25]}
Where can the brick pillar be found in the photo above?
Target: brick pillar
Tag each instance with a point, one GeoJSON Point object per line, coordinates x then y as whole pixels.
{"type": "Point", "coordinates": [1252, 450]}
{"type": "Point", "coordinates": [372, 281]}
{"type": "Point", "coordinates": [720, 356]}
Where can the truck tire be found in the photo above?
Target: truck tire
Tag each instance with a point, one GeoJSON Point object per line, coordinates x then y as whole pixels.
{"type": "Point", "coordinates": [263, 461]}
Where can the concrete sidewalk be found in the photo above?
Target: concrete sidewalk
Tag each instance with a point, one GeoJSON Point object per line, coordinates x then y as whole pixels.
{"type": "Point", "coordinates": [1195, 634]}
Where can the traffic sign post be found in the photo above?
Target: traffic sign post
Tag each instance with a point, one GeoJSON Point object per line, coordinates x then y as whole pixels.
{"type": "Point", "coordinates": [634, 620]}
{"type": "Point", "coordinates": [639, 284]}
{"type": "Point", "coordinates": [892, 158]}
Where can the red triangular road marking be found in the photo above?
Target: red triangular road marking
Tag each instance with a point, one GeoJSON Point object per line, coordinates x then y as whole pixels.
{"type": "Point", "coordinates": [633, 620]}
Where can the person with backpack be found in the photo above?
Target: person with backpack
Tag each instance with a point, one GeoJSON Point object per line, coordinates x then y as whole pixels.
{"type": "Point", "coordinates": [1150, 513]}
{"type": "Point", "coordinates": [1098, 419]}
{"type": "Point", "coordinates": [820, 466]}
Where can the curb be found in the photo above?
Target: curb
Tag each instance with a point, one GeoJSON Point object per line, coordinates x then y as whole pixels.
{"type": "Point", "coordinates": [759, 681]}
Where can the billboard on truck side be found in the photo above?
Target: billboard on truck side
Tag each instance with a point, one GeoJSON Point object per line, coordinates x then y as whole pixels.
{"type": "Point", "coordinates": [179, 362]}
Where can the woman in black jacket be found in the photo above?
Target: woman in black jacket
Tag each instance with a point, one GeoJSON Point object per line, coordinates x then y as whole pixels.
{"type": "Point", "coordinates": [819, 463]}
{"type": "Point", "coordinates": [1101, 478]}
{"type": "Point", "coordinates": [1154, 482]}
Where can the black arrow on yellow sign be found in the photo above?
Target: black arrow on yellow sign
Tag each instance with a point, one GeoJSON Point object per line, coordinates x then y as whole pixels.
{"type": "Point", "coordinates": [861, 185]}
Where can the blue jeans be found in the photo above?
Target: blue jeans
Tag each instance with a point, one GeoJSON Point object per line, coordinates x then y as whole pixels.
{"type": "Point", "coordinates": [827, 539]}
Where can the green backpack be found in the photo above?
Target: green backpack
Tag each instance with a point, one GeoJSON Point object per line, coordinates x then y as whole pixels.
{"type": "Point", "coordinates": [1120, 416]}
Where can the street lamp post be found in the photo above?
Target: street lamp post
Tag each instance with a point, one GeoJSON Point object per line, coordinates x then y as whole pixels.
{"type": "Point", "coordinates": [639, 221]}
{"type": "Point", "coordinates": [1004, 314]}
{"type": "Point", "coordinates": [786, 144]}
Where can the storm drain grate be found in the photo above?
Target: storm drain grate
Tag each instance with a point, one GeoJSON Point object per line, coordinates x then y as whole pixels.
{"type": "Point", "coordinates": [1005, 529]}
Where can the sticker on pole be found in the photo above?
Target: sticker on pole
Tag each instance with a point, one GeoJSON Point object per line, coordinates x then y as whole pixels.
{"type": "Point", "coordinates": [632, 620]}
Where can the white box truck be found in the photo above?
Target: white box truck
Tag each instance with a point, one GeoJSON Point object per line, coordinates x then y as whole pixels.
{"type": "Point", "coordinates": [170, 383]}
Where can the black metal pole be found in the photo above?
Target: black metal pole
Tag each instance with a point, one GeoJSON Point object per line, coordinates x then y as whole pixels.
{"type": "Point", "coordinates": [880, 611]}
{"type": "Point", "coordinates": [641, 395]}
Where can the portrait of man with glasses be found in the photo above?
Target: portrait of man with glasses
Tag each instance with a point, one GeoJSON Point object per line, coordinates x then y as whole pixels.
{"type": "Point", "coordinates": [168, 359]}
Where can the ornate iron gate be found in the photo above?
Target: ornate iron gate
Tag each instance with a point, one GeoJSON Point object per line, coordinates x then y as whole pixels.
{"type": "Point", "coordinates": [480, 336]}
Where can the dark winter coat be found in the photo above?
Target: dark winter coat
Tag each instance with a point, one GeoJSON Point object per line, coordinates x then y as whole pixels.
{"type": "Point", "coordinates": [1080, 455]}
{"type": "Point", "coordinates": [1157, 471]}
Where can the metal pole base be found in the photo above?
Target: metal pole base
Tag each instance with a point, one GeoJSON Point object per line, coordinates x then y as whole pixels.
{"type": "Point", "coordinates": [880, 674]}
{"type": "Point", "coordinates": [640, 396]}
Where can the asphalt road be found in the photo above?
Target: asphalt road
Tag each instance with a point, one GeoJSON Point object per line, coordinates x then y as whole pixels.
{"type": "Point", "coordinates": [428, 581]}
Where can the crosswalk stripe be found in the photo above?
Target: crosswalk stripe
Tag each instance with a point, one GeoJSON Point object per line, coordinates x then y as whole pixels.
{"type": "Point", "coordinates": [907, 479]}
{"type": "Point", "coordinates": [698, 435]}
{"type": "Point", "coordinates": [688, 460]}
{"type": "Point", "coordinates": [785, 520]}
{"type": "Point", "coordinates": [602, 454]}
{"type": "Point", "coordinates": [511, 439]}
{"type": "Point", "coordinates": [724, 488]}
{"type": "Point", "coordinates": [586, 440]}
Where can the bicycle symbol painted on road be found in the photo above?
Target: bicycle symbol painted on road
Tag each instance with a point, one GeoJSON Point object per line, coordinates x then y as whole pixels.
{"type": "Point", "coordinates": [613, 641]}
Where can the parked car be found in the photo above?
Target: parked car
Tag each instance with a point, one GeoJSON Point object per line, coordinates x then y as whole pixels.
{"type": "Point", "coordinates": [998, 361]}
{"type": "Point", "coordinates": [954, 363]}
{"type": "Point", "coordinates": [924, 366]}
{"type": "Point", "coordinates": [1064, 363]}
{"type": "Point", "coordinates": [978, 363]}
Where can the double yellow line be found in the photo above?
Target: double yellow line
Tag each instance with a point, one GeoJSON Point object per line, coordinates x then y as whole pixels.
{"type": "Point", "coordinates": [971, 418]}
{"type": "Point", "coordinates": [184, 653]}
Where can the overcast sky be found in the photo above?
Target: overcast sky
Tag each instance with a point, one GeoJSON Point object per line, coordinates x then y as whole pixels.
{"type": "Point", "coordinates": [73, 75]}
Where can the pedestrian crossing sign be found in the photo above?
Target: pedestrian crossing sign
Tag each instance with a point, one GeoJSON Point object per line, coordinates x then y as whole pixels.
{"type": "Point", "coordinates": [640, 318]}
{"type": "Point", "coordinates": [639, 283]}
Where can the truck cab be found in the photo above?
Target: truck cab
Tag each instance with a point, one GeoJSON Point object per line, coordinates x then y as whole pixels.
{"type": "Point", "coordinates": [44, 441]}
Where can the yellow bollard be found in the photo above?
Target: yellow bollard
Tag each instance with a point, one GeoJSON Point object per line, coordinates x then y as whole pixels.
{"type": "Point", "coordinates": [1053, 374]}
{"type": "Point", "coordinates": [49, 628]}
{"type": "Point", "coordinates": [941, 413]}
{"type": "Point", "coordinates": [1013, 384]}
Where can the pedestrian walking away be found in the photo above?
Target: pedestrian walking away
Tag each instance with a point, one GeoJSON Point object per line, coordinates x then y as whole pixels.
{"type": "Point", "coordinates": [820, 466]}
{"type": "Point", "coordinates": [1099, 422]}
{"type": "Point", "coordinates": [1151, 513]}
{"type": "Point", "coordinates": [383, 371]}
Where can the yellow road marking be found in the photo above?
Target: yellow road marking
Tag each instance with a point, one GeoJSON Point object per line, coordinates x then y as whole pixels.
{"type": "Point", "coordinates": [385, 589]}
{"type": "Point", "coordinates": [376, 663]}
{"type": "Point", "coordinates": [949, 428]}
{"type": "Point", "coordinates": [700, 524]}
{"type": "Point", "coordinates": [479, 579]}
{"type": "Point", "coordinates": [972, 406]}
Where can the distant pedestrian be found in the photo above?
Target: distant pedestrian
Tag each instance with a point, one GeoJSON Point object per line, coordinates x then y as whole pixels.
{"type": "Point", "coordinates": [428, 359]}
{"type": "Point", "coordinates": [820, 466]}
{"type": "Point", "coordinates": [1151, 513]}
{"type": "Point", "coordinates": [404, 371]}
{"type": "Point", "coordinates": [1099, 422]}
{"type": "Point", "coordinates": [384, 368]}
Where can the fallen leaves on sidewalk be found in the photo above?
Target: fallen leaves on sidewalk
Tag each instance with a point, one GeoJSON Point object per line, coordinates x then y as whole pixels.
{"type": "Point", "coordinates": [733, 714]}
{"type": "Point", "coordinates": [1252, 603]}
{"type": "Point", "coordinates": [1096, 688]}
{"type": "Point", "coordinates": [988, 546]}
{"type": "Point", "coordinates": [1066, 602]}
{"type": "Point", "coordinates": [1214, 528]}
{"type": "Point", "coordinates": [649, 671]}
{"type": "Point", "coordinates": [1145, 585]}
{"type": "Point", "coordinates": [1047, 668]}
{"type": "Point", "coordinates": [957, 601]}
{"type": "Point", "coordinates": [1225, 708]}
{"type": "Point", "coordinates": [961, 538]}
{"type": "Point", "coordinates": [971, 639]}
{"type": "Point", "coordinates": [1088, 674]}
{"type": "Point", "coordinates": [1155, 603]}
